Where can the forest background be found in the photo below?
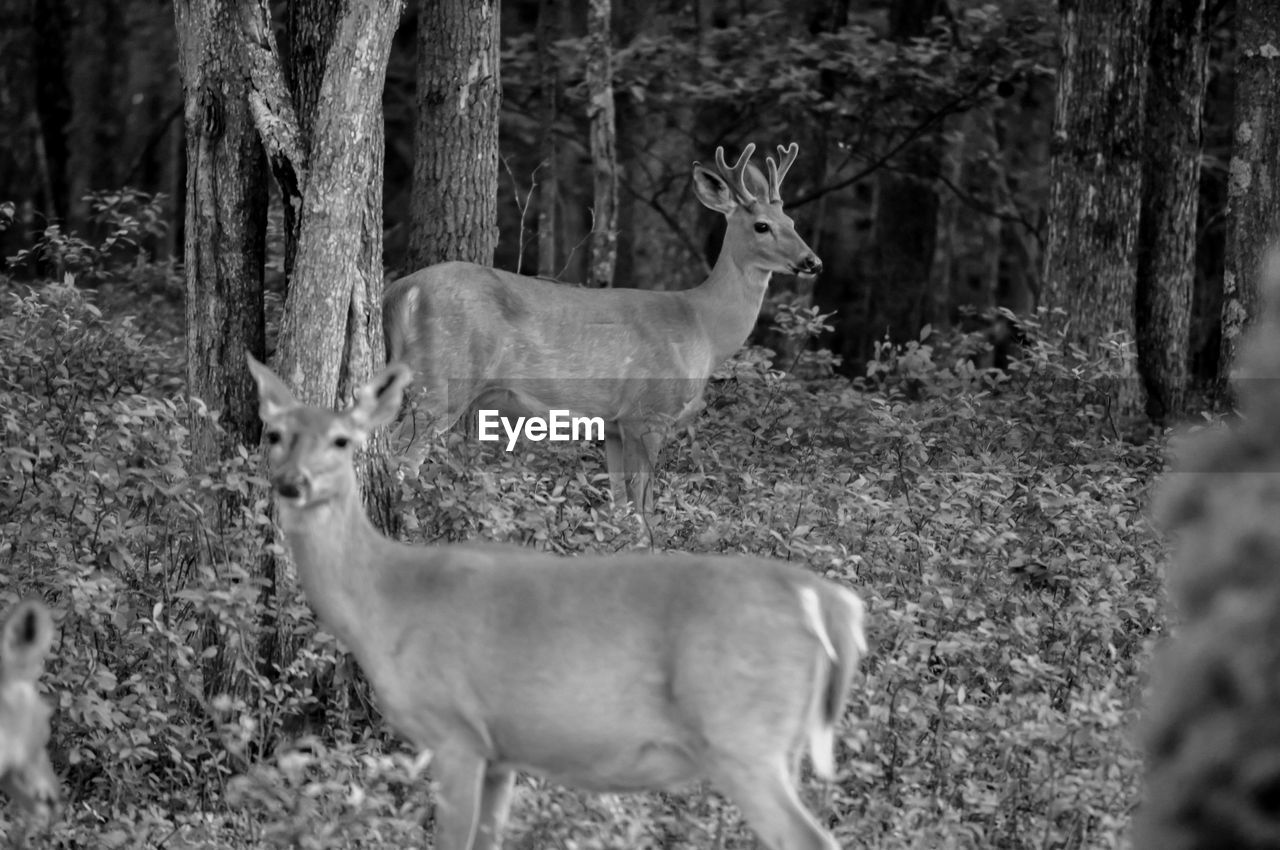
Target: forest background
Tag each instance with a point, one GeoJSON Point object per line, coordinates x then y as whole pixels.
{"type": "Point", "coordinates": [1096, 167]}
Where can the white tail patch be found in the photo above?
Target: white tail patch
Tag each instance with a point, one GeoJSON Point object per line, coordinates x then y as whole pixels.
{"type": "Point", "coordinates": [857, 619]}
{"type": "Point", "coordinates": [822, 749]}
{"type": "Point", "coordinates": [822, 740]}
{"type": "Point", "coordinates": [812, 607]}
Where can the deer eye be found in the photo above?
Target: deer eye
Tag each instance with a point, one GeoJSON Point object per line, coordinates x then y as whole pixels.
{"type": "Point", "coordinates": [341, 442]}
{"type": "Point", "coordinates": [273, 437]}
{"type": "Point", "coordinates": [762, 227]}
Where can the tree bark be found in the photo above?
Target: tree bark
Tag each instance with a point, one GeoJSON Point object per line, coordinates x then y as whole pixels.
{"type": "Point", "coordinates": [225, 229]}
{"type": "Point", "coordinates": [1096, 177]}
{"type": "Point", "coordinates": [311, 31]}
{"type": "Point", "coordinates": [455, 159]}
{"type": "Point", "coordinates": [223, 253]}
{"type": "Point", "coordinates": [549, 112]}
{"type": "Point", "coordinates": [20, 179]}
{"type": "Point", "coordinates": [604, 154]}
{"type": "Point", "coordinates": [906, 214]}
{"type": "Point", "coordinates": [1170, 194]}
{"type": "Point", "coordinates": [1253, 207]}
{"type": "Point", "coordinates": [52, 26]}
{"type": "Point", "coordinates": [96, 40]}
{"type": "Point", "coordinates": [331, 333]}
{"type": "Point", "coordinates": [331, 311]}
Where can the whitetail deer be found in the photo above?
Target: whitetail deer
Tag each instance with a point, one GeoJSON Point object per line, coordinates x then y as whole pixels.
{"type": "Point", "coordinates": [638, 359]}
{"type": "Point", "coordinates": [26, 774]}
{"type": "Point", "coordinates": [611, 673]}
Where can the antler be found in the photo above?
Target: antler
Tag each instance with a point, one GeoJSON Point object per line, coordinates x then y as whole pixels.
{"type": "Point", "coordinates": [736, 177]}
{"type": "Point", "coordinates": [776, 172]}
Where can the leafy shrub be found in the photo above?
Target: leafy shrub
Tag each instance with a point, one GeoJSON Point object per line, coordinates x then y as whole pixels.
{"type": "Point", "coordinates": [994, 528]}
{"type": "Point", "coordinates": [125, 219]}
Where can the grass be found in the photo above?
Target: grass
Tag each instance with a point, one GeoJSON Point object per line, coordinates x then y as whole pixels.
{"type": "Point", "coordinates": [997, 534]}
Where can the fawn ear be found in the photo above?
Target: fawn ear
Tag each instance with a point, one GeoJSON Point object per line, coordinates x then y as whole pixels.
{"type": "Point", "coordinates": [712, 190]}
{"type": "Point", "coordinates": [274, 397]}
{"type": "Point", "coordinates": [378, 401]}
{"type": "Point", "coordinates": [28, 634]}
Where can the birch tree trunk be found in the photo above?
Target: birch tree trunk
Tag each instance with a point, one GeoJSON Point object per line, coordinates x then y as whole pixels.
{"type": "Point", "coordinates": [455, 146]}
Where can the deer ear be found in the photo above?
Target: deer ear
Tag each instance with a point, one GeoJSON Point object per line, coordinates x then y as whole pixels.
{"type": "Point", "coordinates": [378, 401]}
{"type": "Point", "coordinates": [712, 190]}
{"type": "Point", "coordinates": [274, 397]}
{"type": "Point", "coordinates": [28, 634]}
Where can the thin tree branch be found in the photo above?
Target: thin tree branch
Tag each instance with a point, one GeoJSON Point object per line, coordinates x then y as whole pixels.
{"type": "Point", "coordinates": [522, 206]}
{"type": "Point", "coordinates": [671, 220]}
{"type": "Point", "coordinates": [969, 200]}
{"type": "Point", "coordinates": [270, 101]}
{"type": "Point", "coordinates": [958, 104]}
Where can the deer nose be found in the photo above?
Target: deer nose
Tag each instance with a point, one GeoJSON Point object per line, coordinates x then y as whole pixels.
{"type": "Point", "coordinates": [290, 484]}
{"type": "Point", "coordinates": [810, 265]}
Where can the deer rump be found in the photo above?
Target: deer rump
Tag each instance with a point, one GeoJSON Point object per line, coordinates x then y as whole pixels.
{"type": "Point", "coordinates": [622, 674]}
{"type": "Point", "coordinates": [477, 337]}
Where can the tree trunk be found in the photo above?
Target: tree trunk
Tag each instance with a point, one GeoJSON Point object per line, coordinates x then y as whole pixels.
{"type": "Point", "coordinates": [1170, 193]}
{"type": "Point", "coordinates": [604, 153]}
{"type": "Point", "coordinates": [96, 41]}
{"type": "Point", "coordinates": [1096, 177]}
{"type": "Point", "coordinates": [52, 26]}
{"type": "Point", "coordinates": [907, 211]}
{"type": "Point", "coordinates": [225, 229]}
{"type": "Point", "coordinates": [947, 218]}
{"type": "Point", "coordinates": [455, 148]}
{"type": "Point", "coordinates": [312, 24]}
{"type": "Point", "coordinates": [20, 180]}
{"type": "Point", "coordinates": [549, 17]}
{"type": "Point", "coordinates": [224, 250]}
{"type": "Point", "coordinates": [331, 334]}
{"type": "Point", "coordinates": [1253, 195]}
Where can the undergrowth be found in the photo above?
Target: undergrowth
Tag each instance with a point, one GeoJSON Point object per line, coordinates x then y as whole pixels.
{"type": "Point", "coordinates": [990, 520]}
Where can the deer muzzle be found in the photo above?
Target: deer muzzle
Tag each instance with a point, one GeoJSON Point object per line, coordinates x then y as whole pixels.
{"type": "Point", "coordinates": [291, 484]}
{"type": "Point", "coordinates": [809, 265]}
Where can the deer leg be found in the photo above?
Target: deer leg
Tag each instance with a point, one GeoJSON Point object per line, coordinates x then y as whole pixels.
{"type": "Point", "coordinates": [653, 439]}
{"type": "Point", "coordinates": [638, 469]}
{"type": "Point", "coordinates": [458, 778]}
{"type": "Point", "coordinates": [772, 808]}
{"type": "Point", "coordinates": [613, 460]}
{"type": "Point", "coordinates": [426, 412]}
{"type": "Point", "coordinates": [495, 803]}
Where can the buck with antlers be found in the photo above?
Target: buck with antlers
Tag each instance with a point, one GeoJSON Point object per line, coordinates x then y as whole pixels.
{"type": "Point", "coordinates": [637, 359]}
{"type": "Point", "coordinates": [612, 673]}
{"type": "Point", "coordinates": [26, 774]}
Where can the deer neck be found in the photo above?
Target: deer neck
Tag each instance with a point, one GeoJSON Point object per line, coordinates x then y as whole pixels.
{"type": "Point", "coordinates": [728, 302]}
{"type": "Point", "coordinates": [337, 552]}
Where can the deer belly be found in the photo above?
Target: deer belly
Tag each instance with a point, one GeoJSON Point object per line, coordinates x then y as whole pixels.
{"type": "Point", "coordinates": [538, 398]}
{"type": "Point", "coordinates": [613, 762]}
